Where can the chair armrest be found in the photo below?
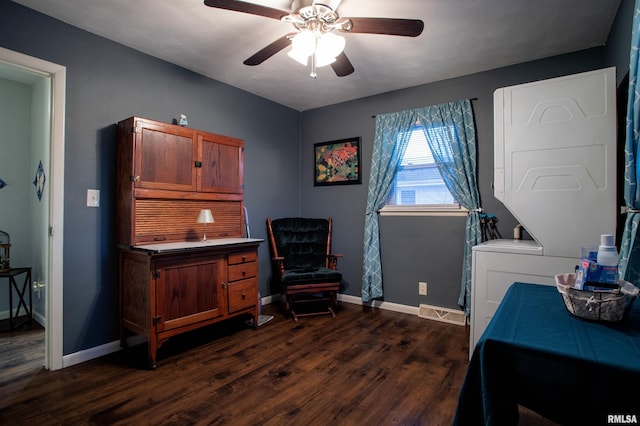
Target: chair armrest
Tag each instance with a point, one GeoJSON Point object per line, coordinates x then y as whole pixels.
{"type": "Point", "coordinates": [333, 260]}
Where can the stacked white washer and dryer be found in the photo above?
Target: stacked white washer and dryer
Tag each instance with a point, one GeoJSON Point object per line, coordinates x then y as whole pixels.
{"type": "Point", "coordinates": [555, 171]}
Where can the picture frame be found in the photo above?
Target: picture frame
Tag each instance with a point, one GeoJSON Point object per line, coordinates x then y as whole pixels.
{"type": "Point", "coordinates": [337, 162]}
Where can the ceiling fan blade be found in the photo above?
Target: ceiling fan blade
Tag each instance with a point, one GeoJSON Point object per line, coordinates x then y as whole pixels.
{"type": "Point", "coordinates": [270, 50]}
{"type": "Point", "coordinates": [389, 26]}
{"type": "Point", "coordinates": [342, 66]}
{"type": "Point", "coordinates": [241, 6]}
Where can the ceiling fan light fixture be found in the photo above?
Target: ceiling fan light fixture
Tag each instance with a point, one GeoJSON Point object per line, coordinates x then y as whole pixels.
{"type": "Point", "coordinates": [316, 18]}
{"type": "Point", "coordinates": [325, 47]}
{"type": "Point", "coordinates": [323, 61]}
{"type": "Point", "coordinates": [304, 43]}
{"type": "Point", "coordinates": [330, 44]}
{"type": "Point", "coordinates": [298, 56]}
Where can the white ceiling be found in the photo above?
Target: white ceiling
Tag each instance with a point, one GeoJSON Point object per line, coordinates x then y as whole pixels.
{"type": "Point", "coordinates": [460, 37]}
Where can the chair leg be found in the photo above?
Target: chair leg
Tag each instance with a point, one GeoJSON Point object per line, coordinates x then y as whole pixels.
{"type": "Point", "coordinates": [333, 303]}
{"type": "Point", "coordinates": [328, 296]}
{"type": "Point", "coordinates": [288, 306]}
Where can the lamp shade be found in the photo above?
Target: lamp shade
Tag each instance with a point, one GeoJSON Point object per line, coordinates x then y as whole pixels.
{"type": "Point", "coordinates": [205, 216]}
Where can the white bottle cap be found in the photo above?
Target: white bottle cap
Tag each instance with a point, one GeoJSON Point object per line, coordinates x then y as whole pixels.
{"type": "Point", "coordinates": [606, 240]}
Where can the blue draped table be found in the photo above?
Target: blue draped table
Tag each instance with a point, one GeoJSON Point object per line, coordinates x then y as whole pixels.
{"type": "Point", "coordinates": [569, 370]}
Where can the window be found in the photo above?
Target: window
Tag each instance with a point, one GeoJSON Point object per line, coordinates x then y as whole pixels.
{"type": "Point", "coordinates": [418, 186]}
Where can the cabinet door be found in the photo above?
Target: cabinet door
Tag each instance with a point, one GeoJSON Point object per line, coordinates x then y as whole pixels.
{"type": "Point", "coordinates": [189, 291]}
{"type": "Point", "coordinates": [165, 157]}
{"type": "Point", "coordinates": [221, 164]}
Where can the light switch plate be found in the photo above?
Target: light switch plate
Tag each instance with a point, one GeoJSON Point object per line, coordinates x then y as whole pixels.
{"type": "Point", "coordinates": [93, 198]}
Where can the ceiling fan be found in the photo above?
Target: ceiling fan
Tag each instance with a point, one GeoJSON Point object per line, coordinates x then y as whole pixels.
{"type": "Point", "coordinates": [316, 22]}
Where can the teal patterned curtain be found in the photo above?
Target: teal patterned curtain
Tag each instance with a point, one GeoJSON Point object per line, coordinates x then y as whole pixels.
{"type": "Point", "coordinates": [386, 156]}
{"type": "Point", "coordinates": [451, 135]}
{"type": "Point", "coordinates": [454, 150]}
{"type": "Point", "coordinates": [630, 249]}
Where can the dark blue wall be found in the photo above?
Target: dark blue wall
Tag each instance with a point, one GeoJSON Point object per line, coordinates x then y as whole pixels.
{"type": "Point", "coordinates": [619, 41]}
{"type": "Point", "coordinates": [429, 248]}
{"type": "Point", "coordinates": [416, 248]}
{"type": "Point", "coordinates": [107, 82]}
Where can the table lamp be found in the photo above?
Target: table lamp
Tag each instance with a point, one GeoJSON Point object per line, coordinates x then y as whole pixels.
{"type": "Point", "coordinates": [205, 217]}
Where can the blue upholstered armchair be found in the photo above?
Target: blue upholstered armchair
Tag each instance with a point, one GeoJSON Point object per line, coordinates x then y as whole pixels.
{"type": "Point", "coordinates": [304, 265]}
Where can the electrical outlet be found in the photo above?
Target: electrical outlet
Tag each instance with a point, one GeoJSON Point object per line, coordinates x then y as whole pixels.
{"type": "Point", "coordinates": [422, 288]}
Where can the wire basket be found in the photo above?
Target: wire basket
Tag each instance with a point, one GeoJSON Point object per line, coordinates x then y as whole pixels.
{"type": "Point", "coordinates": [593, 305]}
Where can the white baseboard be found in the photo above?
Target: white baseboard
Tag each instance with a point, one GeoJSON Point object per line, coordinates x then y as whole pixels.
{"type": "Point", "coordinates": [107, 348]}
{"type": "Point", "coordinates": [267, 300]}
{"type": "Point", "coordinates": [389, 306]}
{"type": "Point", "coordinates": [355, 300]}
{"type": "Point", "coordinates": [89, 354]}
{"type": "Point", "coordinates": [40, 319]}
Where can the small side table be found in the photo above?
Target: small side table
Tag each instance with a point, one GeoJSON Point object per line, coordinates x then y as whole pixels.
{"type": "Point", "coordinates": [26, 284]}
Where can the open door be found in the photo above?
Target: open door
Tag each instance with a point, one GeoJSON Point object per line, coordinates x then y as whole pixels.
{"type": "Point", "coordinates": [55, 209]}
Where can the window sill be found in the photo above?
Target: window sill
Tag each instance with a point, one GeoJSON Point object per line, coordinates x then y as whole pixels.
{"type": "Point", "coordinates": [423, 211]}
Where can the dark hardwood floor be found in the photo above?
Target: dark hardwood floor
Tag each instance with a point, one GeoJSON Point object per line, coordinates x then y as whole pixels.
{"type": "Point", "coordinates": [21, 353]}
{"type": "Point", "coordinates": [365, 367]}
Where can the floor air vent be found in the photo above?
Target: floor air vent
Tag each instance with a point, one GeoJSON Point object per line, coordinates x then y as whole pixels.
{"type": "Point", "coordinates": [451, 316]}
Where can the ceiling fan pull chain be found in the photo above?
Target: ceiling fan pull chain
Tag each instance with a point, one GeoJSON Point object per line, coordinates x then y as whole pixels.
{"type": "Point", "coordinates": [313, 61]}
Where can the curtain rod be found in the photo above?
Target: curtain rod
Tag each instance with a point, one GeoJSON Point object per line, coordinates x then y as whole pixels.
{"type": "Point", "coordinates": [471, 99]}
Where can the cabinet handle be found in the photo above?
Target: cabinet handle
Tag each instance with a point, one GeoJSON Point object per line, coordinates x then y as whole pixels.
{"type": "Point", "coordinates": [224, 285]}
{"type": "Point", "coordinates": [244, 258]}
{"type": "Point", "coordinates": [244, 273]}
{"type": "Point", "coordinates": [244, 296]}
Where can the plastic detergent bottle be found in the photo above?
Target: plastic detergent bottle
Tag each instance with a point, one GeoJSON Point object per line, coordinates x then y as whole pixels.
{"type": "Point", "coordinates": [607, 252]}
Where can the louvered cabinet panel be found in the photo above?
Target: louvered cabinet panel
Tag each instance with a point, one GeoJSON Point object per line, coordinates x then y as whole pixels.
{"type": "Point", "coordinates": [159, 220]}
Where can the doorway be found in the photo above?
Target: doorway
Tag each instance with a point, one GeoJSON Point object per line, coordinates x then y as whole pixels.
{"type": "Point", "coordinates": [47, 81]}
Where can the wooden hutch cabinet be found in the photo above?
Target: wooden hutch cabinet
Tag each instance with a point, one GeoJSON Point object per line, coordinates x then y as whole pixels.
{"type": "Point", "coordinates": [170, 280]}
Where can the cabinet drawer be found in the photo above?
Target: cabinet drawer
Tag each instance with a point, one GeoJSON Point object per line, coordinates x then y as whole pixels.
{"type": "Point", "coordinates": [243, 294]}
{"type": "Point", "coordinates": [242, 271]}
{"type": "Point", "coordinates": [242, 257]}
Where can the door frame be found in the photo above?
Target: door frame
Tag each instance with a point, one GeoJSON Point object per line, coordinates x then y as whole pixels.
{"type": "Point", "coordinates": [53, 358]}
